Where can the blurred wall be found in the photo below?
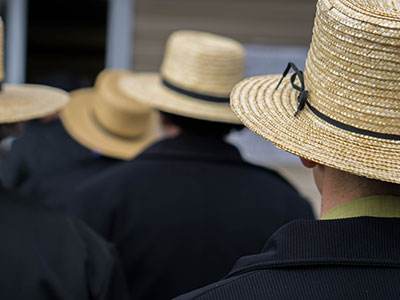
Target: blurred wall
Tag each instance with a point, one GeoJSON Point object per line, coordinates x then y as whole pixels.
{"type": "Point", "coordinates": [264, 22]}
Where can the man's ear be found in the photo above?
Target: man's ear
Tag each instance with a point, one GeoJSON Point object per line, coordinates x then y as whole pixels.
{"type": "Point", "coordinates": [308, 163]}
{"type": "Point", "coordinates": [169, 129]}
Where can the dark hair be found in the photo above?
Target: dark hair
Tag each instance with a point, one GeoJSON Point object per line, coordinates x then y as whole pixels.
{"type": "Point", "coordinates": [10, 129]}
{"type": "Point", "coordinates": [200, 127]}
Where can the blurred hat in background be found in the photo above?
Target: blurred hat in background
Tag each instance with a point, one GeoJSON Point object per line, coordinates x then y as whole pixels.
{"type": "Point", "coordinates": [22, 102]}
{"type": "Point", "coordinates": [106, 121]}
{"type": "Point", "coordinates": [198, 72]}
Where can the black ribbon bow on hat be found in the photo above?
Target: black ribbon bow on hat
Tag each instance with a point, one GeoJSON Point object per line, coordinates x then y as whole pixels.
{"type": "Point", "coordinates": [302, 101]}
{"type": "Point", "coordinates": [302, 98]}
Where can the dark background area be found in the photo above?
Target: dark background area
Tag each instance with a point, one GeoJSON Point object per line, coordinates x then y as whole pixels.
{"type": "Point", "coordinates": [66, 42]}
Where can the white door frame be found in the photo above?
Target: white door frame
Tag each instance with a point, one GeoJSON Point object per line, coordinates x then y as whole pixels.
{"type": "Point", "coordinates": [15, 40]}
{"type": "Point", "coordinates": [120, 29]}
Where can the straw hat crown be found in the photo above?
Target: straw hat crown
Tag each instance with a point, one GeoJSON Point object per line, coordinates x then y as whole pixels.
{"type": "Point", "coordinates": [353, 66]}
{"type": "Point", "coordinates": [203, 62]}
{"type": "Point", "coordinates": [114, 111]}
{"type": "Point", "coordinates": [196, 77]}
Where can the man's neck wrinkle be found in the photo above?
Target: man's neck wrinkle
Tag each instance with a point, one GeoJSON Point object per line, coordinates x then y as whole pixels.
{"type": "Point", "coordinates": [339, 188]}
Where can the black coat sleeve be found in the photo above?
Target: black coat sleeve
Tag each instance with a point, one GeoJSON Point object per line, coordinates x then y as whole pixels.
{"type": "Point", "coordinates": [12, 171]}
{"type": "Point", "coordinates": [106, 280]}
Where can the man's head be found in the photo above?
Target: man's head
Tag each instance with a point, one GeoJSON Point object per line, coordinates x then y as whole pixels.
{"type": "Point", "coordinates": [107, 122]}
{"type": "Point", "coordinates": [343, 111]}
{"type": "Point", "coordinates": [342, 114]}
{"type": "Point", "coordinates": [198, 72]}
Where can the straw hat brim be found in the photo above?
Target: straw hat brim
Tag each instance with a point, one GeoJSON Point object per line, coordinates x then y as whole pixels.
{"type": "Point", "coordinates": [148, 89]}
{"type": "Point", "coordinates": [79, 121]}
{"type": "Point", "coordinates": [22, 102]}
{"type": "Point", "coordinates": [269, 112]}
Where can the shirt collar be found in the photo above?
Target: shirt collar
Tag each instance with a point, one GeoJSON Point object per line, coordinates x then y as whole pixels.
{"type": "Point", "coordinates": [385, 206]}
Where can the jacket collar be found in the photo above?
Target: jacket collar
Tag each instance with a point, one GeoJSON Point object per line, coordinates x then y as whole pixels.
{"type": "Point", "coordinates": [354, 241]}
{"type": "Point", "coordinates": [189, 146]}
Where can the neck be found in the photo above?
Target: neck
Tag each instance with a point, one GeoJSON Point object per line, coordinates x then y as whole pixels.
{"type": "Point", "coordinates": [170, 131]}
{"type": "Point", "coordinates": [339, 187]}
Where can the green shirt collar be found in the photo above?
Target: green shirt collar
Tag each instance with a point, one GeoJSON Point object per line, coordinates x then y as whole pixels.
{"type": "Point", "coordinates": [384, 206]}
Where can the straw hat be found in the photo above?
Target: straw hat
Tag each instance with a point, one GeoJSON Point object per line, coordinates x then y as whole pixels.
{"type": "Point", "coordinates": [197, 74]}
{"type": "Point", "coordinates": [21, 102]}
{"type": "Point", "coordinates": [105, 121]}
{"type": "Point", "coordinates": [348, 107]}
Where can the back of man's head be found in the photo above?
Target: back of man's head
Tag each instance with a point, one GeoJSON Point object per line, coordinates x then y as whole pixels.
{"type": "Point", "coordinates": [199, 127]}
{"type": "Point", "coordinates": [9, 129]}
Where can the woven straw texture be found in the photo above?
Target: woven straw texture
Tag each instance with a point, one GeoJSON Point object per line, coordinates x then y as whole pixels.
{"type": "Point", "coordinates": [352, 74]}
{"type": "Point", "coordinates": [200, 62]}
{"type": "Point", "coordinates": [106, 122]}
{"type": "Point", "coordinates": [27, 101]}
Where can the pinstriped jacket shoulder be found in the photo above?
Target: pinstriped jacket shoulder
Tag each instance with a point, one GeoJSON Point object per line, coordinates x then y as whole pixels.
{"type": "Point", "coordinates": [357, 258]}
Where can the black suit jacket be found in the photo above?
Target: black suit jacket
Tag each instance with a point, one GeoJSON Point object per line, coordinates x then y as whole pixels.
{"type": "Point", "coordinates": [55, 189]}
{"type": "Point", "coordinates": [41, 148]}
{"type": "Point", "coordinates": [47, 255]}
{"type": "Point", "coordinates": [184, 211]}
{"type": "Point", "coordinates": [357, 258]}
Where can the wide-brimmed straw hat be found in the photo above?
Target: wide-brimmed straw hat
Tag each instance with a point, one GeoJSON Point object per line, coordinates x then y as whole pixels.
{"type": "Point", "coordinates": [346, 112]}
{"type": "Point", "coordinates": [197, 74]}
{"type": "Point", "coordinates": [21, 102]}
{"type": "Point", "coordinates": [105, 121]}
